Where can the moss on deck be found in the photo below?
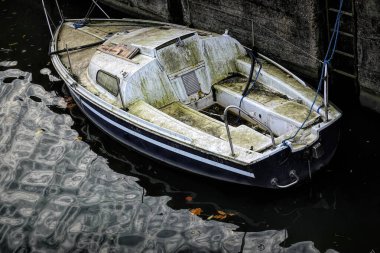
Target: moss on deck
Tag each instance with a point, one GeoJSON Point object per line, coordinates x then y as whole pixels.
{"type": "Point", "coordinates": [242, 135]}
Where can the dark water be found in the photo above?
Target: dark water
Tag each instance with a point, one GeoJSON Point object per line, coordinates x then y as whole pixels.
{"type": "Point", "coordinates": [66, 187]}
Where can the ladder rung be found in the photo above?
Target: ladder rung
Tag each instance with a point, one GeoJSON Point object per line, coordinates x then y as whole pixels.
{"type": "Point", "coordinates": [344, 73]}
{"type": "Point", "coordinates": [345, 54]}
{"type": "Point", "coordinates": [343, 33]}
{"type": "Point", "coordinates": [343, 12]}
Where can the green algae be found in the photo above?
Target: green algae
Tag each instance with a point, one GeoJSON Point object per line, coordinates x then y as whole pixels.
{"type": "Point", "coordinates": [194, 119]}
{"type": "Point", "coordinates": [295, 111]}
{"type": "Point", "coordinates": [176, 58]}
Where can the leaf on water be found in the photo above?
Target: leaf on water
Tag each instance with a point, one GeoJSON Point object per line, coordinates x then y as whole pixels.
{"type": "Point", "coordinates": [189, 198]}
{"type": "Point", "coordinates": [78, 138]}
{"type": "Point", "coordinates": [196, 211]}
{"type": "Point", "coordinates": [220, 216]}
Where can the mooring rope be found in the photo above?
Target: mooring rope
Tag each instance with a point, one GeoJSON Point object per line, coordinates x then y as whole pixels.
{"type": "Point", "coordinates": [328, 57]}
{"type": "Point", "coordinates": [249, 87]}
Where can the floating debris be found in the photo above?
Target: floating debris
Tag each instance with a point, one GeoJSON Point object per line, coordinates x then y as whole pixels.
{"type": "Point", "coordinates": [45, 71]}
{"type": "Point", "coordinates": [52, 78]}
{"type": "Point", "coordinates": [8, 63]}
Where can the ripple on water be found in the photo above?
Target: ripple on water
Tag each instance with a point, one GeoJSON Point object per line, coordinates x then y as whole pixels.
{"type": "Point", "coordinates": [58, 195]}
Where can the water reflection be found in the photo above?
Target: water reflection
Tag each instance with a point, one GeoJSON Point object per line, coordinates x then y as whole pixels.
{"type": "Point", "coordinates": [57, 195]}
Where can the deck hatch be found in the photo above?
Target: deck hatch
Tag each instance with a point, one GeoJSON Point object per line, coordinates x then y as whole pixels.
{"type": "Point", "coordinates": [191, 83]}
{"type": "Point", "coordinates": [122, 51]}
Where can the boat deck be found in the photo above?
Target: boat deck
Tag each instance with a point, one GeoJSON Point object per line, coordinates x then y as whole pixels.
{"type": "Point", "coordinates": [242, 136]}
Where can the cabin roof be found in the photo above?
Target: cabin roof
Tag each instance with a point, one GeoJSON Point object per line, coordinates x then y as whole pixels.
{"type": "Point", "coordinates": [150, 37]}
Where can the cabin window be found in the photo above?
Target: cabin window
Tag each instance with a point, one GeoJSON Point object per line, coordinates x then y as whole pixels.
{"type": "Point", "coordinates": [108, 82]}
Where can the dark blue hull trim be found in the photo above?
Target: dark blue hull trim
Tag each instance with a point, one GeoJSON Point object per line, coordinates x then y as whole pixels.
{"type": "Point", "coordinates": [258, 174]}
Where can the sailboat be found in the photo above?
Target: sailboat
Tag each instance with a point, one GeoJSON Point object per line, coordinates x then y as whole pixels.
{"type": "Point", "coordinates": [196, 100]}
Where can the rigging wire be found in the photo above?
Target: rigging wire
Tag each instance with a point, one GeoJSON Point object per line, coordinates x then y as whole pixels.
{"type": "Point", "coordinates": [92, 6]}
{"type": "Point", "coordinates": [328, 57]}
{"type": "Point", "coordinates": [86, 18]}
{"type": "Point", "coordinates": [51, 20]}
{"type": "Point", "coordinates": [100, 8]}
{"type": "Point", "coordinates": [59, 11]}
{"type": "Point", "coordinates": [47, 19]}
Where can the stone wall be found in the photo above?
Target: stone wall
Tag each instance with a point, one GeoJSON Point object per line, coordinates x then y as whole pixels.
{"type": "Point", "coordinates": [368, 48]}
{"type": "Point", "coordinates": [152, 9]}
{"type": "Point", "coordinates": [283, 30]}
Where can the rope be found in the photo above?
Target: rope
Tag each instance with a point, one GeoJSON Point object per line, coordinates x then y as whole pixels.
{"type": "Point", "coordinates": [248, 89]}
{"type": "Point", "coordinates": [328, 57]}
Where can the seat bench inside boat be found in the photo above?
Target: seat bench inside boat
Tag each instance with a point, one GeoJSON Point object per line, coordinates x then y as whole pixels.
{"type": "Point", "coordinates": [187, 121]}
{"type": "Point", "coordinates": [274, 109]}
{"type": "Point", "coordinates": [205, 133]}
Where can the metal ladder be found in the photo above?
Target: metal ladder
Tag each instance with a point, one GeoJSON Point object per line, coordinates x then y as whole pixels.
{"type": "Point", "coordinates": [345, 53]}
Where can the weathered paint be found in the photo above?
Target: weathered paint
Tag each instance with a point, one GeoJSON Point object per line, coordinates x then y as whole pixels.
{"type": "Point", "coordinates": [220, 54]}
{"type": "Point", "coordinates": [153, 80]}
{"type": "Point", "coordinates": [175, 58]}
